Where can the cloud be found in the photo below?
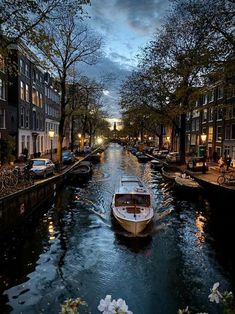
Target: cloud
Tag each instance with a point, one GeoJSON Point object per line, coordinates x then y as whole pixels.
{"type": "Point", "coordinates": [126, 26]}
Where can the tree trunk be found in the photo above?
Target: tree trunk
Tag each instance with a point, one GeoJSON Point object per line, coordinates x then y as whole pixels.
{"type": "Point", "coordinates": [182, 137]}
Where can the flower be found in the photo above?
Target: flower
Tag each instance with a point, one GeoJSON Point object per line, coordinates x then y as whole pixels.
{"type": "Point", "coordinates": [121, 307]}
{"type": "Point", "coordinates": [215, 295]}
{"type": "Point", "coordinates": [184, 311]}
{"type": "Point", "coordinates": [109, 306]}
{"type": "Point", "coordinates": [106, 306]}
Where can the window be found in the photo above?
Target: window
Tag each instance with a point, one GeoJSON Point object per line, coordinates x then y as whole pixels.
{"type": "Point", "coordinates": [22, 96]}
{"type": "Point", "coordinates": [211, 96]}
{"type": "Point", "coordinates": [204, 99]}
{"type": "Point", "coordinates": [27, 70]}
{"type": "Point", "coordinates": [34, 120]}
{"type": "Point", "coordinates": [204, 117]}
{"type": "Point", "coordinates": [2, 119]}
{"type": "Point", "coordinates": [2, 89]}
{"type": "Point", "coordinates": [27, 92]}
{"type": "Point", "coordinates": [197, 124]}
{"type": "Point", "coordinates": [22, 116]}
{"type": "Point", "coordinates": [233, 132]}
{"type": "Point", "coordinates": [193, 139]}
{"type": "Point", "coordinates": [193, 125]}
{"type": "Point", "coordinates": [27, 119]}
{"type": "Point", "coordinates": [219, 113]}
{"type": "Point", "coordinates": [219, 133]}
{"type": "Point", "coordinates": [22, 66]}
{"type": "Point", "coordinates": [227, 132]}
{"type": "Point", "coordinates": [40, 100]}
{"type": "Point", "coordinates": [210, 134]}
{"type": "Point", "coordinates": [210, 114]}
{"type": "Point", "coordinates": [220, 92]}
{"type": "Point", "coordinates": [34, 96]}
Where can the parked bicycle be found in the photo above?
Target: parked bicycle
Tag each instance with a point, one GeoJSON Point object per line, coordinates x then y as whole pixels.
{"type": "Point", "coordinates": [226, 178]}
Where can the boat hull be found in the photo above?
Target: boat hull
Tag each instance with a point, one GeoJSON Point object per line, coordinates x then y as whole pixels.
{"type": "Point", "coordinates": [134, 227]}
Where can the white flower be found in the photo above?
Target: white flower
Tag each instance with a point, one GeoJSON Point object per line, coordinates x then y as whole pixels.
{"type": "Point", "coordinates": [184, 311]}
{"type": "Point", "coordinates": [106, 306]}
{"type": "Point", "coordinates": [121, 306]}
{"type": "Point", "coordinates": [215, 295]}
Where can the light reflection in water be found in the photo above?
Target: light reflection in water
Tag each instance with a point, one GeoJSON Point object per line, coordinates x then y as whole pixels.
{"type": "Point", "coordinates": [200, 223]}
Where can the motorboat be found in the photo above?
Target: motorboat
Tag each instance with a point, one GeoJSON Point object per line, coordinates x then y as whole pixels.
{"type": "Point", "coordinates": [132, 205]}
{"type": "Point", "coordinates": [171, 172]}
{"type": "Point", "coordinates": [186, 183]}
{"type": "Point", "coordinates": [156, 164]}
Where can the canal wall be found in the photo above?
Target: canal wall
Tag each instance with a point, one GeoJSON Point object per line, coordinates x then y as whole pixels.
{"type": "Point", "coordinates": [16, 208]}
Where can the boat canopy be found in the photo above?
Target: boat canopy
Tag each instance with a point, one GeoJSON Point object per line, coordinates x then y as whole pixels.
{"type": "Point", "coordinates": [132, 199]}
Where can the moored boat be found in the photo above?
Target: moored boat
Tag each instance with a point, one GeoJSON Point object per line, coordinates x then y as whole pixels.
{"type": "Point", "coordinates": [142, 157]}
{"type": "Point", "coordinates": [186, 183]}
{"type": "Point", "coordinates": [132, 205]}
{"type": "Point", "coordinates": [156, 164]}
{"type": "Point", "coordinates": [82, 171]}
{"type": "Point", "coordinates": [171, 172]}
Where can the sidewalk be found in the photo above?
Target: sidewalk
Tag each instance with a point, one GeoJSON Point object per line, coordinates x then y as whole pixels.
{"type": "Point", "coordinates": [212, 175]}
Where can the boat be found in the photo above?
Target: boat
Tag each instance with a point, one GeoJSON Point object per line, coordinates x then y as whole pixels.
{"type": "Point", "coordinates": [186, 183]}
{"type": "Point", "coordinates": [142, 157]}
{"type": "Point", "coordinates": [132, 205]}
{"type": "Point", "coordinates": [156, 164]}
{"type": "Point", "coordinates": [95, 157]}
{"type": "Point", "coordinates": [82, 171]}
{"type": "Point", "coordinates": [171, 172]}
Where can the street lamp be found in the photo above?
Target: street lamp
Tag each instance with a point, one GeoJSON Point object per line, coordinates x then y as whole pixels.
{"type": "Point", "coordinates": [51, 134]}
{"type": "Point", "coordinates": [168, 141]}
{"type": "Point", "coordinates": [203, 138]}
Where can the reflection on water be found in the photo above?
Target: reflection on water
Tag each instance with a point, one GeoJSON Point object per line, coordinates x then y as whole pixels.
{"type": "Point", "coordinates": [78, 249]}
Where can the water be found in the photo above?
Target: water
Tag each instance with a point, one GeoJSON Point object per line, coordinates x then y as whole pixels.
{"type": "Point", "coordinates": [75, 249]}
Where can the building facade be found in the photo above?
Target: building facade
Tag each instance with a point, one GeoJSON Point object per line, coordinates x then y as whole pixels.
{"type": "Point", "coordinates": [29, 104]}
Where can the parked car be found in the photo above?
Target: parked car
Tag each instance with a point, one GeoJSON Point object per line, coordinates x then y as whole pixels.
{"type": "Point", "coordinates": [173, 157]}
{"type": "Point", "coordinates": [197, 164]}
{"type": "Point", "coordinates": [68, 157]}
{"type": "Point", "coordinates": [162, 153]}
{"type": "Point", "coordinates": [42, 167]}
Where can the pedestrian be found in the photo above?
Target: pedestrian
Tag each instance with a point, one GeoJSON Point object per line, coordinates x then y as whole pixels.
{"type": "Point", "coordinates": [228, 162]}
{"type": "Point", "coordinates": [221, 164]}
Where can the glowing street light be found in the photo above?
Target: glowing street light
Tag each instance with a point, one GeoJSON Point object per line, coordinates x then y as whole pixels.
{"type": "Point", "coordinates": [99, 140]}
{"type": "Point", "coordinates": [51, 134]}
{"type": "Point", "coordinates": [203, 138]}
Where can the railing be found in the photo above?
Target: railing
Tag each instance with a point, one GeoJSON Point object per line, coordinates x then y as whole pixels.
{"type": "Point", "coordinates": [12, 180]}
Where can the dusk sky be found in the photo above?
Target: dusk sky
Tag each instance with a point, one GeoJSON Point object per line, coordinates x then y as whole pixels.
{"type": "Point", "coordinates": [126, 26]}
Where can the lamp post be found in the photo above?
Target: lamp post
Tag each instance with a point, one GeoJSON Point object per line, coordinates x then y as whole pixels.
{"type": "Point", "coordinates": [168, 142]}
{"type": "Point", "coordinates": [51, 134]}
{"type": "Point", "coordinates": [203, 151]}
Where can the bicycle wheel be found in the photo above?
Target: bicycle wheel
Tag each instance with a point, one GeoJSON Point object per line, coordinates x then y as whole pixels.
{"type": "Point", "coordinates": [221, 179]}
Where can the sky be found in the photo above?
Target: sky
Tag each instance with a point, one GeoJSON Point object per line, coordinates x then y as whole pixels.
{"type": "Point", "coordinates": [125, 26]}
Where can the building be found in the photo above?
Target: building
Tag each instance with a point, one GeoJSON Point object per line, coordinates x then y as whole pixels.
{"type": "Point", "coordinates": [212, 122]}
{"type": "Point", "coordinates": [29, 104]}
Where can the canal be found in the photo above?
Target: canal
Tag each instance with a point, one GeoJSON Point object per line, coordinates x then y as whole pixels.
{"type": "Point", "coordinates": [75, 249]}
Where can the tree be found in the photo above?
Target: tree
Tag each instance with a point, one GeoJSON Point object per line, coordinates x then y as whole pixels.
{"type": "Point", "coordinates": [68, 42]}
{"type": "Point", "coordinates": [20, 18]}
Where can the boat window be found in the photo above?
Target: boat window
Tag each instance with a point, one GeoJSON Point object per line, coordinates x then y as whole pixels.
{"type": "Point", "coordinates": [132, 200]}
